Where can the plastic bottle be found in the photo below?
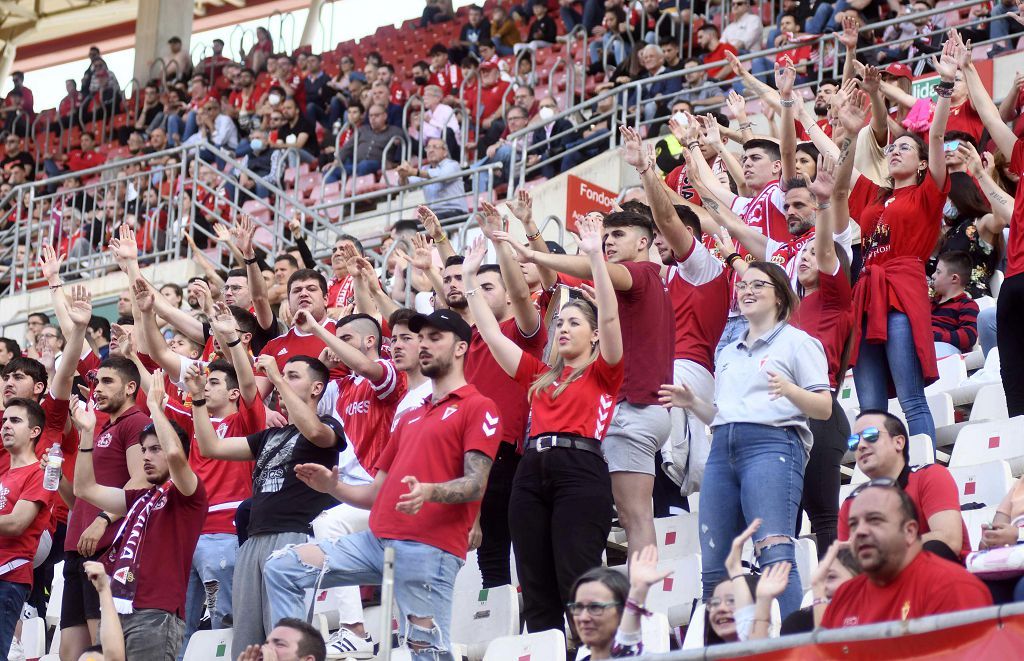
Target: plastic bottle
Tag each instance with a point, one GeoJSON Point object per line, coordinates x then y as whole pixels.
{"type": "Point", "coordinates": [54, 459]}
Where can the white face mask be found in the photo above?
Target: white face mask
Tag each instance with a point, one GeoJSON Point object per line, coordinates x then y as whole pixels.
{"type": "Point", "coordinates": [681, 119]}
{"type": "Point", "coordinates": [274, 99]}
{"type": "Point", "coordinates": [546, 113]}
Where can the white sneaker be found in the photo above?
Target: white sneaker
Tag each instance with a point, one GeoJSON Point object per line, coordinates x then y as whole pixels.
{"type": "Point", "coordinates": [17, 652]}
{"type": "Point", "coordinates": [345, 644]}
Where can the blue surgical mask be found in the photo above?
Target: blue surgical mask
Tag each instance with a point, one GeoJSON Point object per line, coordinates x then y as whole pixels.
{"type": "Point", "coordinates": [256, 145]}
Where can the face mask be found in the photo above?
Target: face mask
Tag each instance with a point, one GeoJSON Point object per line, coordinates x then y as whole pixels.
{"type": "Point", "coordinates": [681, 119]}
{"type": "Point", "coordinates": [419, 80]}
{"type": "Point", "coordinates": [546, 113]}
{"type": "Point", "coordinates": [256, 145]}
{"type": "Point", "coordinates": [274, 99]}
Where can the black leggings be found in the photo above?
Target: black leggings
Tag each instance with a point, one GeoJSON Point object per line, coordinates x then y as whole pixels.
{"type": "Point", "coordinates": [1010, 339]}
{"type": "Point", "coordinates": [561, 514]}
{"type": "Point", "coordinates": [495, 550]}
{"type": "Point", "coordinates": [821, 476]}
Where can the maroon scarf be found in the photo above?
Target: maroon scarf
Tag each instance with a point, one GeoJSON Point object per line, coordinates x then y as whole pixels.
{"type": "Point", "coordinates": [125, 552]}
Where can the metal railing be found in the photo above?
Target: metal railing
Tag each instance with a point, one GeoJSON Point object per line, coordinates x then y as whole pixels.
{"type": "Point", "coordinates": [164, 195]}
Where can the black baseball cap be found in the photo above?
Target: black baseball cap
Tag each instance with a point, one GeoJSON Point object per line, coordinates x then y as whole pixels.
{"type": "Point", "coordinates": [555, 248]}
{"type": "Point", "coordinates": [445, 320]}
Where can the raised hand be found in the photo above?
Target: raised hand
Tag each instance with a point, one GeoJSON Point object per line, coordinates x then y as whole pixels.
{"type": "Point", "coordinates": [785, 77]}
{"type": "Point", "coordinates": [872, 80]}
{"type": "Point", "coordinates": [422, 253]}
{"type": "Point", "coordinates": [643, 568]}
{"type": "Point", "coordinates": [853, 113]}
{"type": "Point", "coordinates": [946, 65]}
{"type": "Point", "coordinates": [475, 255]}
{"type": "Point", "coordinates": [591, 232]}
{"type": "Point", "coordinates": [523, 254]}
{"type": "Point", "coordinates": [80, 306]}
{"type": "Point", "coordinates": [820, 572]}
{"type": "Point", "coordinates": [825, 180]}
{"type": "Point", "coordinates": [737, 106]}
{"type": "Point", "coordinates": [773, 581]}
{"type": "Point", "coordinates": [725, 243]}
{"type": "Point", "coordinates": [677, 130]}
{"type": "Point", "coordinates": [50, 263]}
{"type": "Point", "coordinates": [489, 219]}
{"type": "Point", "coordinates": [157, 397]}
{"type": "Point", "coordinates": [633, 147]}
{"type": "Point", "coordinates": [734, 561]}
{"type": "Point", "coordinates": [195, 380]}
{"type": "Point", "coordinates": [971, 158]}
{"type": "Point", "coordinates": [712, 131]}
{"type": "Point", "coordinates": [848, 37]}
{"type": "Point", "coordinates": [295, 225]}
{"type": "Point", "coordinates": [521, 206]}
{"type": "Point", "coordinates": [734, 63]}
{"type": "Point", "coordinates": [83, 414]}
{"type": "Point", "coordinates": [242, 233]}
{"type": "Point", "coordinates": [430, 222]}
{"type": "Point", "coordinates": [204, 297]}
{"type": "Point", "coordinates": [222, 233]}
{"type": "Point", "coordinates": [144, 297]}
{"type": "Point", "coordinates": [223, 321]}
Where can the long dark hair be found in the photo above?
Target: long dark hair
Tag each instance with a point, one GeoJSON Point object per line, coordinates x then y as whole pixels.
{"type": "Point", "coordinates": [710, 637]}
{"type": "Point", "coordinates": [966, 197]}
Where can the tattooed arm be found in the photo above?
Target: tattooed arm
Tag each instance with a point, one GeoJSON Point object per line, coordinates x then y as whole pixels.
{"type": "Point", "coordinates": [466, 489]}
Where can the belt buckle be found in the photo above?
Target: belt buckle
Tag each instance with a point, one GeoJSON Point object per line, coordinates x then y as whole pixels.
{"type": "Point", "coordinates": [545, 443]}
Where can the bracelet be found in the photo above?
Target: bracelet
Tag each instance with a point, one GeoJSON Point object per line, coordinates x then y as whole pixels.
{"type": "Point", "coordinates": [650, 164]}
{"type": "Point", "coordinates": [822, 601]}
{"type": "Point", "coordinates": [534, 236]}
{"type": "Point", "coordinates": [471, 292]}
{"type": "Point", "coordinates": [199, 402]}
{"type": "Point", "coordinates": [730, 258]}
{"type": "Point", "coordinates": [105, 517]}
{"type": "Point", "coordinates": [733, 578]}
{"type": "Point", "coordinates": [824, 205]}
{"type": "Point", "coordinates": [944, 85]}
{"type": "Point", "coordinates": [787, 103]}
{"type": "Point", "coordinates": [444, 237]}
{"type": "Point", "coordinates": [84, 449]}
{"type": "Point", "coordinates": [639, 609]}
{"type": "Point", "coordinates": [57, 286]}
{"type": "Point", "coordinates": [944, 92]}
{"type": "Point", "coordinates": [693, 145]}
{"type": "Point", "coordinates": [250, 261]}
{"type": "Point", "coordinates": [746, 125]}
{"type": "Point", "coordinates": [235, 342]}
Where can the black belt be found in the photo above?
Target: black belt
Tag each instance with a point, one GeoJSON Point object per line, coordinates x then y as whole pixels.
{"type": "Point", "coordinates": [548, 441]}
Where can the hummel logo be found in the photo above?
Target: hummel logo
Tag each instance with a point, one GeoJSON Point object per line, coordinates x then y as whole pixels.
{"type": "Point", "coordinates": [491, 419]}
{"type": "Point", "coordinates": [490, 425]}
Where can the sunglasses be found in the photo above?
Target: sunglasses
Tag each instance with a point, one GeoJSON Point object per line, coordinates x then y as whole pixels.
{"type": "Point", "coordinates": [883, 482]}
{"type": "Point", "coordinates": [871, 435]}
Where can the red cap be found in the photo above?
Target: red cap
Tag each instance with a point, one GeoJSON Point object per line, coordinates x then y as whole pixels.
{"type": "Point", "coordinates": [899, 70]}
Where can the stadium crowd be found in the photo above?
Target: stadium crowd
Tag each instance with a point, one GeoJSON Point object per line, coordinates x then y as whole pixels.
{"type": "Point", "coordinates": [231, 444]}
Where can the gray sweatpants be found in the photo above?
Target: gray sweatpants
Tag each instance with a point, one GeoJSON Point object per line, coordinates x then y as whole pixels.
{"type": "Point", "coordinates": [249, 607]}
{"type": "Point", "coordinates": [152, 634]}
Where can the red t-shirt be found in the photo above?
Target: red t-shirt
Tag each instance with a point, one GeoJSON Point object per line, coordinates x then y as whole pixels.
{"type": "Point", "coordinates": [491, 380]}
{"type": "Point", "coordinates": [398, 94]}
{"type": "Point", "coordinates": [296, 343]}
{"type": "Point", "coordinates": [227, 483]}
{"type": "Point", "coordinates": [929, 585]}
{"type": "Point", "coordinates": [16, 484]}
{"type": "Point", "coordinates": [826, 314]}
{"type": "Point", "coordinates": [243, 104]}
{"type": "Point", "coordinates": [905, 224]}
{"type": "Point", "coordinates": [110, 463]}
{"type": "Point", "coordinates": [1015, 246]}
{"type": "Point", "coordinates": [165, 552]}
{"type": "Point", "coordinates": [648, 334]}
{"type": "Point", "coordinates": [430, 443]}
{"type": "Point", "coordinates": [718, 55]}
{"type": "Point", "coordinates": [490, 99]}
{"type": "Point", "coordinates": [366, 409]}
{"type": "Point", "coordinates": [933, 489]}
{"type": "Point", "coordinates": [584, 408]}
{"type": "Point", "coordinates": [965, 118]}
{"type": "Point", "coordinates": [698, 286]}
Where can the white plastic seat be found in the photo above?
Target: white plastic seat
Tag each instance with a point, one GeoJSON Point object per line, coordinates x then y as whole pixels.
{"type": "Point", "coordinates": [675, 595]}
{"type": "Point", "coordinates": [847, 395]}
{"type": "Point", "coordinates": [481, 616]}
{"type": "Point", "coordinates": [922, 452]}
{"type": "Point", "coordinates": [990, 404]}
{"type": "Point", "coordinates": [806, 560]}
{"type": "Point", "coordinates": [952, 370]}
{"type": "Point", "coordinates": [33, 637]}
{"type": "Point", "coordinates": [984, 483]}
{"type": "Point", "coordinates": [974, 519]}
{"type": "Point", "coordinates": [56, 596]}
{"type": "Point", "coordinates": [55, 642]}
{"type": "Point", "coordinates": [677, 536]}
{"type": "Point", "coordinates": [991, 441]}
{"type": "Point", "coordinates": [209, 645]}
{"type": "Point", "coordinates": [544, 646]}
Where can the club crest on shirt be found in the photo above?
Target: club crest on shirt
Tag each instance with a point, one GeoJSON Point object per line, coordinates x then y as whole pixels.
{"type": "Point", "coordinates": [448, 412]}
{"type": "Point", "coordinates": [104, 440]}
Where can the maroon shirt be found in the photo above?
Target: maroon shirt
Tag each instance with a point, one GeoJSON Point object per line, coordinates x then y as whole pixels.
{"type": "Point", "coordinates": [648, 334]}
{"type": "Point", "coordinates": [110, 463]}
{"type": "Point", "coordinates": [165, 554]}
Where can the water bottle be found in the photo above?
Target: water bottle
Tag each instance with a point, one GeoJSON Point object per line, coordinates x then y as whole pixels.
{"type": "Point", "coordinates": [54, 459]}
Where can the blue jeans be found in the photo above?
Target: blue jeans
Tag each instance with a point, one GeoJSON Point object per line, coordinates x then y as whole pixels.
{"type": "Point", "coordinates": [213, 564]}
{"type": "Point", "coordinates": [987, 329]}
{"type": "Point", "coordinates": [424, 584]}
{"type": "Point", "coordinates": [503, 155]}
{"type": "Point", "coordinates": [816, 24]}
{"type": "Point", "coordinates": [1003, 27]}
{"type": "Point", "coordinates": [12, 598]}
{"type": "Point", "coordinates": [734, 329]}
{"type": "Point", "coordinates": [362, 167]}
{"type": "Point", "coordinates": [753, 471]}
{"type": "Point", "coordinates": [896, 359]}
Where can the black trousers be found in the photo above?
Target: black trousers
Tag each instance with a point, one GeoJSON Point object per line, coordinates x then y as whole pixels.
{"type": "Point", "coordinates": [821, 477]}
{"type": "Point", "coordinates": [42, 576]}
{"type": "Point", "coordinates": [495, 550]}
{"type": "Point", "coordinates": [1010, 340]}
{"type": "Point", "coordinates": [561, 513]}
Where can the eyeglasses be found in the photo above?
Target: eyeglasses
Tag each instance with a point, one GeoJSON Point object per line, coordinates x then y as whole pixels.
{"type": "Point", "coordinates": [904, 148]}
{"type": "Point", "coordinates": [871, 435]}
{"type": "Point", "coordinates": [594, 608]}
{"type": "Point", "coordinates": [883, 482]}
{"type": "Point", "coordinates": [755, 286]}
{"type": "Point", "coordinates": [718, 602]}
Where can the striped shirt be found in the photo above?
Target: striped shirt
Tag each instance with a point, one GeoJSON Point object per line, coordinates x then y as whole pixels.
{"type": "Point", "coordinates": [956, 321]}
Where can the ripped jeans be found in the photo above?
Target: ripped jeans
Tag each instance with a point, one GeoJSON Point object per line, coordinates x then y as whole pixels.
{"type": "Point", "coordinates": [753, 471]}
{"type": "Point", "coordinates": [424, 583]}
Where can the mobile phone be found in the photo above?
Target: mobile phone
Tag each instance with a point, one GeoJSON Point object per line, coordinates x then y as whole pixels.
{"type": "Point", "coordinates": [952, 145]}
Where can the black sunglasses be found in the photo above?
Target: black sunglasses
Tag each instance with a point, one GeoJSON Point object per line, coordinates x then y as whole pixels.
{"type": "Point", "coordinates": [883, 482]}
{"type": "Point", "coordinates": [871, 435]}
